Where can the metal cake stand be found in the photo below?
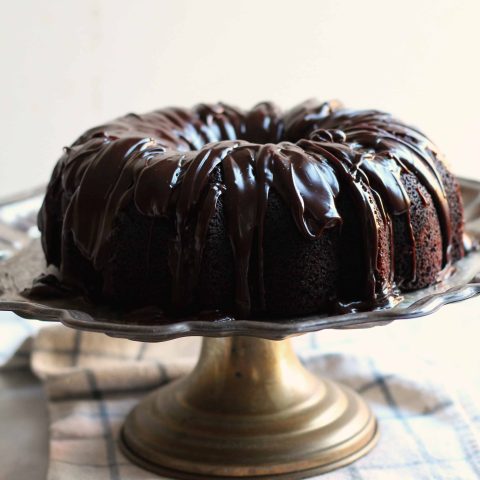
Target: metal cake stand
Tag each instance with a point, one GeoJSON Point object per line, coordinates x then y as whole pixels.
{"type": "Point", "coordinates": [249, 408]}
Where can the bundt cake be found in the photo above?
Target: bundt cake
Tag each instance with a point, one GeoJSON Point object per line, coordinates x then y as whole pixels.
{"type": "Point", "coordinates": [252, 213]}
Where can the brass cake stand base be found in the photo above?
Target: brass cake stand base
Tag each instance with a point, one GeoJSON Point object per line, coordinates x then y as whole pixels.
{"type": "Point", "coordinates": [248, 409]}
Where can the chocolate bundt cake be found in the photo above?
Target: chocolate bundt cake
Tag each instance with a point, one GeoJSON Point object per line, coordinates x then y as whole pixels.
{"type": "Point", "coordinates": [254, 213]}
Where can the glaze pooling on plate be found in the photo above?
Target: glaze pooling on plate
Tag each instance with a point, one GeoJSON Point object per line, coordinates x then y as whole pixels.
{"type": "Point", "coordinates": [18, 272]}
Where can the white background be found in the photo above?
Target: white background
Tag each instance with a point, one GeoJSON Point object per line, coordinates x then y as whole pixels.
{"type": "Point", "coordinates": [67, 65]}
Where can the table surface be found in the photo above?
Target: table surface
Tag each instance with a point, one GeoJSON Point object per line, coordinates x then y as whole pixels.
{"type": "Point", "coordinates": [24, 421]}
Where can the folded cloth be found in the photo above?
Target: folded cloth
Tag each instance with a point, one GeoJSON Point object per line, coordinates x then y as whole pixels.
{"type": "Point", "coordinates": [92, 381]}
{"type": "Point", "coordinates": [429, 411]}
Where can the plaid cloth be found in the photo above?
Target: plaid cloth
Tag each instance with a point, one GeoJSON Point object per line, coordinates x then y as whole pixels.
{"type": "Point", "coordinates": [420, 378]}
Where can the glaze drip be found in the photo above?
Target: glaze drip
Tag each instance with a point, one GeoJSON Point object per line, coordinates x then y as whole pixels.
{"type": "Point", "coordinates": [176, 164]}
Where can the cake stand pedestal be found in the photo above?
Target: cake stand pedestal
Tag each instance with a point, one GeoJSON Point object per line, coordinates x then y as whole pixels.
{"type": "Point", "coordinates": [248, 409]}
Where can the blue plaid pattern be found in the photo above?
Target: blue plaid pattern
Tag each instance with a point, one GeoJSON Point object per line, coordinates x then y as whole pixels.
{"type": "Point", "coordinates": [420, 377]}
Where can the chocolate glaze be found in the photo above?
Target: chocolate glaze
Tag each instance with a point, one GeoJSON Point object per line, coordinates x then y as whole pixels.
{"type": "Point", "coordinates": [164, 162]}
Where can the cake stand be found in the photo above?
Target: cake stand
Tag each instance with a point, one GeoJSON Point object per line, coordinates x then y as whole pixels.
{"type": "Point", "coordinates": [249, 409]}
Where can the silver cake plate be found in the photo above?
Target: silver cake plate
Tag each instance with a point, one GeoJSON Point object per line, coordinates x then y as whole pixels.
{"type": "Point", "coordinates": [21, 260]}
